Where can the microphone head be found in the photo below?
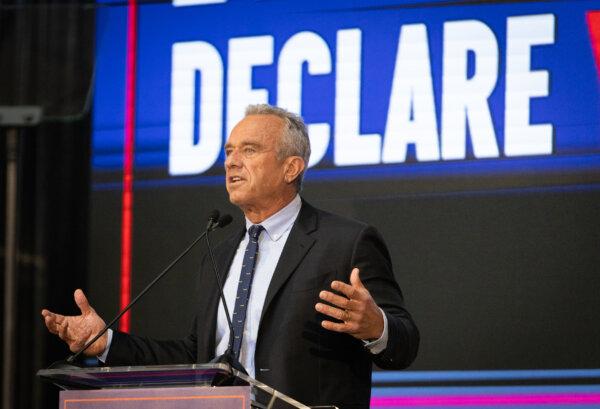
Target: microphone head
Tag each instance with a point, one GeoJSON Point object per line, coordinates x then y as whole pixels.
{"type": "Point", "coordinates": [213, 216]}
{"type": "Point", "coordinates": [224, 220]}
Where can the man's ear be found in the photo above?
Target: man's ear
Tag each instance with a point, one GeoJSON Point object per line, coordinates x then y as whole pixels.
{"type": "Point", "coordinates": [293, 167]}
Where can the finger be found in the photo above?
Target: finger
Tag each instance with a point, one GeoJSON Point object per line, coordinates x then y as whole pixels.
{"type": "Point", "coordinates": [51, 325]}
{"type": "Point", "coordinates": [74, 344]}
{"type": "Point", "coordinates": [336, 300]}
{"type": "Point", "coordinates": [82, 302]}
{"type": "Point", "coordinates": [338, 327]}
{"type": "Point", "coordinates": [344, 288]}
{"type": "Point", "coordinates": [46, 313]}
{"type": "Point", "coordinates": [53, 318]}
{"type": "Point", "coordinates": [63, 331]}
{"type": "Point", "coordinates": [355, 278]}
{"type": "Point", "coordinates": [333, 312]}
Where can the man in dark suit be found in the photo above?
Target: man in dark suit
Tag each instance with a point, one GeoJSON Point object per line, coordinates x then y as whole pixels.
{"type": "Point", "coordinates": [313, 309]}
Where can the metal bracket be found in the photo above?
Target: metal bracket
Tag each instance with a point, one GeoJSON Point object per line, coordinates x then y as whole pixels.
{"type": "Point", "coordinates": [19, 116]}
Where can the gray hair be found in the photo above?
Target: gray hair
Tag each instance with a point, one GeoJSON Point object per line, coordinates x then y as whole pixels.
{"type": "Point", "coordinates": [294, 141]}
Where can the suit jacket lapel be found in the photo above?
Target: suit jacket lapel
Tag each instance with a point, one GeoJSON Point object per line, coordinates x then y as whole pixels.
{"type": "Point", "coordinates": [297, 245]}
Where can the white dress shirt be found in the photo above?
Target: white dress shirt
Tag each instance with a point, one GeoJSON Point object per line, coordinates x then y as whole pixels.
{"type": "Point", "coordinates": [270, 245]}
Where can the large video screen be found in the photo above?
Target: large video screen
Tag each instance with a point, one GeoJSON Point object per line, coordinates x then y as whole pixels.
{"type": "Point", "coordinates": [467, 132]}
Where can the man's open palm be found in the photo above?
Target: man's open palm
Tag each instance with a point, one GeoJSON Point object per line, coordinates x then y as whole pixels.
{"type": "Point", "coordinates": [79, 329]}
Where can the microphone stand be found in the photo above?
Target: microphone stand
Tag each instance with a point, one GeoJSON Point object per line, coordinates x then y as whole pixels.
{"type": "Point", "coordinates": [213, 224]}
{"type": "Point", "coordinates": [228, 357]}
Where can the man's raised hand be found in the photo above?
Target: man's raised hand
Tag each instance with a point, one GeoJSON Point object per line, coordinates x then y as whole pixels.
{"type": "Point", "coordinates": [360, 315]}
{"type": "Point", "coordinates": [79, 329]}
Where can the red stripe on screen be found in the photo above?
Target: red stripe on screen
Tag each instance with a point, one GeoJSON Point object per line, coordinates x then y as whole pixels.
{"type": "Point", "coordinates": [128, 157]}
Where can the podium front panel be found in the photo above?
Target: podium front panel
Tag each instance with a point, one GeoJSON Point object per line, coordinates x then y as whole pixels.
{"type": "Point", "coordinates": [233, 397]}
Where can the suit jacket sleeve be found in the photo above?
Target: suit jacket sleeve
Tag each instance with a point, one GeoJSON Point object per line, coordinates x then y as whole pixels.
{"type": "Point", "coordinates": [129, 349]}
{"type": "Point", "coordinates": [371, 256]}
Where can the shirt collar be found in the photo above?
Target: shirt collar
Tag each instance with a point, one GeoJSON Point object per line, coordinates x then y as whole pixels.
{"type": "Point", "coordinates": [281, 221]}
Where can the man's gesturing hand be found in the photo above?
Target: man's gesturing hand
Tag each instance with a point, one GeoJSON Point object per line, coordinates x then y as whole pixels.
{"type": "Point", "coordinates": [361, 317]}
{"type": "Point", "coordinates": [77, 330]}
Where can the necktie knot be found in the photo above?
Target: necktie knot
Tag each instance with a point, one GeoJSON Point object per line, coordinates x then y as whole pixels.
{"type": "Point", "coordinates": [255, 230]}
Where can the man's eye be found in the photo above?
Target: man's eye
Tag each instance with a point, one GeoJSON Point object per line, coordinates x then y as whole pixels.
{"type": "Point", "coordinates": [249, 150]}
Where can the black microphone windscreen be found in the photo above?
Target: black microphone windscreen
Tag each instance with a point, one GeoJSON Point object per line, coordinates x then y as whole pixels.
{"type": "Point", "coordinates": [213, 215]}
{"type": "Point", "coordinates": [225, 220]}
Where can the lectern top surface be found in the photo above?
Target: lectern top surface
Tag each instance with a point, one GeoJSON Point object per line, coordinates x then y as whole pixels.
{"type": "Point", "coordinates": [136, 376]}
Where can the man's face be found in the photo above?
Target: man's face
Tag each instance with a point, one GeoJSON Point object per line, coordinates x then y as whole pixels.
{"type": "Point", "coordinates": [254, 175]}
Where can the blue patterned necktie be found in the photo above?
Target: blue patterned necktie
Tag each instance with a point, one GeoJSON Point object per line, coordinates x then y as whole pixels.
{"type": "Point", "coordinates": [244, 286]}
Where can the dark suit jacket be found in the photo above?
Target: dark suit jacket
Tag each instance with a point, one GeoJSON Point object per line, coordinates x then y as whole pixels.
{"type": "Point", "coordinates": [294, 354]}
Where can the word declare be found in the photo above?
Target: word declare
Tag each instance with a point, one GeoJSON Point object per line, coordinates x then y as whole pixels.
{"type": "Point", "coordinates": [472, 68]}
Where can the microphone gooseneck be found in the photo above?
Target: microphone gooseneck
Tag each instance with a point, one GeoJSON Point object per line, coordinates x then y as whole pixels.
{"type": "Point", "coordinates": [228, 357]}
{"type": "Point", "coordinates": [214, 222]}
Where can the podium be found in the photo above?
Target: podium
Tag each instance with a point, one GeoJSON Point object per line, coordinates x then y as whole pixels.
{"type": "Point", "coordinates": [200, 386]}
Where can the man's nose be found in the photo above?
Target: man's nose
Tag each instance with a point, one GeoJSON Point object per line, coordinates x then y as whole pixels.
{"type": "Point", "coordinates": [232, 160]}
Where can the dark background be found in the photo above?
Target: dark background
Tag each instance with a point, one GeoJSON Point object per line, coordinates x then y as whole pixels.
{"type": "Point", "coordinates": [499, 273]}
{"type": "Point", "coordinates": [495, 279]}
{"type": "Point", "coordinates": [46, 59]}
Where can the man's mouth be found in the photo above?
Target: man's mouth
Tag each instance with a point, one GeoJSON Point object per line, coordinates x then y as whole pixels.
{"type": "Point", "coordinates": [234, 179]}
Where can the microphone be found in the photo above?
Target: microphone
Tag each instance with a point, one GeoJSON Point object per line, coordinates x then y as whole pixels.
{"type": "Point", "coordinates": [224, 221]}
{"type": "Point", "coordinates": [228, 357]}
{"type": "Point", "coordinates": [213, 218]}
{"type": "Point", "coordinates": [214, 222]}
